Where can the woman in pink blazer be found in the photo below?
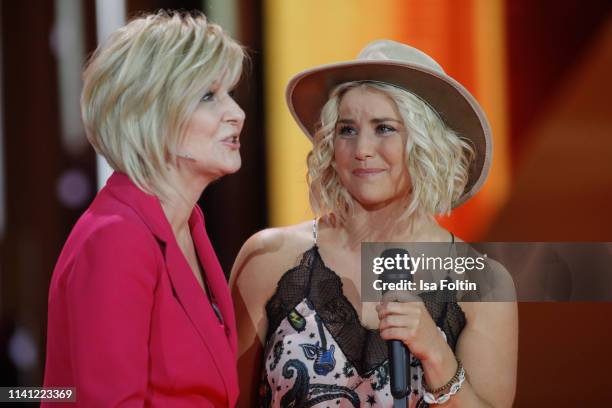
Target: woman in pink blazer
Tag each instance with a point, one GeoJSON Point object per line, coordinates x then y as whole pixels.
{"type": "Point", "coordinates": [139, 309]}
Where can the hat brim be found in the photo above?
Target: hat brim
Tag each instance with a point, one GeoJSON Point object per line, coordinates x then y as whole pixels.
{"type": "Point", "coordinates": [309, 90]}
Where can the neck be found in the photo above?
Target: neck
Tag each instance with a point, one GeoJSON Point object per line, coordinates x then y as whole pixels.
{"type": "Point", "coordinates": [388, 224]}
{"type": "Point", "coordinates": [183, 194]}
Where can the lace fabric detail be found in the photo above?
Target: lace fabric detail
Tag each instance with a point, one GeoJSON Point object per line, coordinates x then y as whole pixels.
{"type": "Point", "coordinates": [363, 347]}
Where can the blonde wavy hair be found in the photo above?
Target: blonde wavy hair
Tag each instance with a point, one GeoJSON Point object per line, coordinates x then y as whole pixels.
{"type": "Point", "coordinates": [437, 158]}
{"type": "Point", "coordinates": [143, 84]}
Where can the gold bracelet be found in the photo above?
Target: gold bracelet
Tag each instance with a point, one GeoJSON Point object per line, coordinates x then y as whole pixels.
{"type": "Point", "coordinates": [449, 383]}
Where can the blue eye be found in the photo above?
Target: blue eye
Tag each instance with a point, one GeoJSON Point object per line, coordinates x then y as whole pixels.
{"type": "Point", "coordinates": [385, 129]}
{"type": "Point", "coordinates": [208, 97]}
{"type": "Point", "coordinates": [346, 131]}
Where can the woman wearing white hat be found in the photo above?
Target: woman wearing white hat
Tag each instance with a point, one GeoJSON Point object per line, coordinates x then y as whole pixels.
{"type": "Point", "coordinates": [396, 142]}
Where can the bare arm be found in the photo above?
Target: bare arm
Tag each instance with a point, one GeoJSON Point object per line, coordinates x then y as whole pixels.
{"type": "Point", "coordinates": [250, 350]}
{"type": "Point", "coordinates": [487, 347]}
{"type": "Point", "coordinates": [252, 283]}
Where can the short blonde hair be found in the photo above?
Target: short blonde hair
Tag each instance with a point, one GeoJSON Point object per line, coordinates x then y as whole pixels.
{"type": "Point", "coordinates": [437, 158]}
{"type": "Point", "coordinates": [143, 84]}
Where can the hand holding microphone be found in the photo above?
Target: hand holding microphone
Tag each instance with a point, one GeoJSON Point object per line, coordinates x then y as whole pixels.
{"type": "Point", "coordinates": [408, 327]}
{"type": "Point", "coordinates": [409, 321]}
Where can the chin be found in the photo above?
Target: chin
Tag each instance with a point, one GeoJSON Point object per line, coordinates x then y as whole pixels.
{"type": "Point", "coordinates": [232, 168]}
{"type": "Point", "coordinates": [371, 202]}
{"type": "Point", "coordinates": [215, 171]}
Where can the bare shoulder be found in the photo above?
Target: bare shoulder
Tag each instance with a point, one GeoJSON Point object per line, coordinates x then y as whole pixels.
{"type": "Point", "coordinates": [503, 288]}
{"type": "Point", "coordinates": [269, 253]}
{"type": "Point", "coordinates": [498, 290]}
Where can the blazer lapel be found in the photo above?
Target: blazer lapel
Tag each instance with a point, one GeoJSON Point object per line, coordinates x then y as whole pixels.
{"type": "Point", "coordinates": [200, 312]}
{"type": "Point", "coordinates": [216, 277]}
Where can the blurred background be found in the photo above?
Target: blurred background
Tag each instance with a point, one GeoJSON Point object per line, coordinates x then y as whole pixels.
{"type": "Point", "coordinates": [540, 68]}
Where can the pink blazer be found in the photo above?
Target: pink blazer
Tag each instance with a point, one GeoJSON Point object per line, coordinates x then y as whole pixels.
{"type": "Point", "coordinates": [128, 323]}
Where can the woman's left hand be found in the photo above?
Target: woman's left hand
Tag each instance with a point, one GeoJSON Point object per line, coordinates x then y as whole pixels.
{"type": "Point", "coordinates": [410, 322]}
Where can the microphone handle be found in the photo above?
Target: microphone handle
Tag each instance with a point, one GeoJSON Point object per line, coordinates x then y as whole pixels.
{"type": "Point", "coordinates": [398, 368]}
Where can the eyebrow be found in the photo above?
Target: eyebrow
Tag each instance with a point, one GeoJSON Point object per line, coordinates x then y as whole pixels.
{"type": "Point", "coordinates": [347, 121]}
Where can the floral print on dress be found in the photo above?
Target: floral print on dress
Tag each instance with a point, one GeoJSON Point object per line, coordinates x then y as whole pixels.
{"type": "Point", "coordinates": [312, 371]}
{"type": "Point", "coordinates": [324, 361]}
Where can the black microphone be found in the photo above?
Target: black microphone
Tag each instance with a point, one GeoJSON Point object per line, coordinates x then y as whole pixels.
{"type": "Point", "coordinates": [399, 367]}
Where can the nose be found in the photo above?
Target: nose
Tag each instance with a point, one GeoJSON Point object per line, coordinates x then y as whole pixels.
{"type": "Point", "coordinates": [234, 113]}
{"type": "Point", "coordinates": [364, 148]}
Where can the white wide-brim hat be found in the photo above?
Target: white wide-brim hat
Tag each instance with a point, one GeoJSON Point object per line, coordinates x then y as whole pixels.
{"type": "Point", "coordinates": [410, 69]}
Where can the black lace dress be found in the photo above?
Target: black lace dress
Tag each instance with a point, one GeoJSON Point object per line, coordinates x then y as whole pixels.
{"type": "Point", "coordinates": [317, 352]}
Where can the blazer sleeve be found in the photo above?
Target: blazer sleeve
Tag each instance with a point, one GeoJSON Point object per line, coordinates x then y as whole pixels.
{"type": "Point", "coordinates": [109, 295]}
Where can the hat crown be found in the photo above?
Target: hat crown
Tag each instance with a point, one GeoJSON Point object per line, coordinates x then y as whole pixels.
{"type": "Point", "coordinates": [387, 50]}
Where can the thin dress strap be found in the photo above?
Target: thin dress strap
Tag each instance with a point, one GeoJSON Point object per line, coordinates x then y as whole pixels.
{"type": "Point", "coordinates": [314, 230]}
{"type": "Point", "coordinates": [451, 246]}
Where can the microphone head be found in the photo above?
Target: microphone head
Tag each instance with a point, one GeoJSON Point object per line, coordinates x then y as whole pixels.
{"type": "Point", "coordinates": [402, 266]}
